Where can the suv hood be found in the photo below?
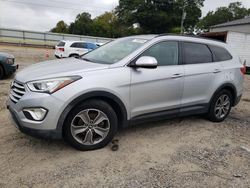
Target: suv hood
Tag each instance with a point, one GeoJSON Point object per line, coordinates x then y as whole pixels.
{"type": "Point", "coordinates": [57, 68]}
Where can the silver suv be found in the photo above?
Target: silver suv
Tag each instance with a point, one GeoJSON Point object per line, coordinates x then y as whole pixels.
{"type": "Point", "coordinates": [128, 81]}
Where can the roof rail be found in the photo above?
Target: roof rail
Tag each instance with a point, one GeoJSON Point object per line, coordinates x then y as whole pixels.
{"type": "Point", "coordinates": [189, 35]}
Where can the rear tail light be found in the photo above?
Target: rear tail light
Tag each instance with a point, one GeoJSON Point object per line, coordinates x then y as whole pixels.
{"type": "Point", "coordinates": [61, 49]}
{"type": "Point", "coordinates": [243, 70]}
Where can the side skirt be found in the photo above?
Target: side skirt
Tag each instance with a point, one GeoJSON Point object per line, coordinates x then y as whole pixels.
{"type": "Point", "coordinates": [169, 114]}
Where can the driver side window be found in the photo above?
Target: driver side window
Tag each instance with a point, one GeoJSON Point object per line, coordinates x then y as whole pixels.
{"type": "Point", "coordinates": [166, 53]}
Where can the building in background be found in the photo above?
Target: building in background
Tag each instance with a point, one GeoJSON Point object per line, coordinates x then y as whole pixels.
{"type": "Point", "coordinates": [236, 33]}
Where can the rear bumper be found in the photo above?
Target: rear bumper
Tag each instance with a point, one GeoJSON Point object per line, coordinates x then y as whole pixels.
{"type": "Point", "coordinates": [47, 134]}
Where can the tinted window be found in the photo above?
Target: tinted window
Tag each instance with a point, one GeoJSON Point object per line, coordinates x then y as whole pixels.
{"type": "Point", "coordinates": [82, 45]}
{"type": "Point", "coordinates": [61, 43]}
{"type": "Point", "coordinates": [91, 46]}
{"type": "Point", "coordinates": [194, 53]}
{"type": "Point", "coordinates": [114, 51]}
{"type": "Point", "coordinates": [166, 53]}
{"type": "Point", "coordinates": [220, 54]}
{"type": "Point", "coordinates": [74, 45]}
{"type": "Point", "coordinates": [79, 45]}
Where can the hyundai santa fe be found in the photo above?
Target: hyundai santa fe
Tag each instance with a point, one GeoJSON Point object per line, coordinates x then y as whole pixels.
{"type": "Point", "coordinates": [131, 80]}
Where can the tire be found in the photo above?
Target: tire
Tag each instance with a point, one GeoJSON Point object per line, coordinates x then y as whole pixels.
{"type": "Point", "coordinates": [1, 72]}
{"type": "Point", "coordinates": [82, 124]}
{"type": "Point", "coordinates": [221, 104]}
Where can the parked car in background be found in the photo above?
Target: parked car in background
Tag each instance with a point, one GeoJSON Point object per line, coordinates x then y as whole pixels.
{"type": "Point", "coordinates": [7, 64]}
{"type": "Point", "coordinates": [73, 48]}
{"type": "Point", "coordinates": [127, 81]}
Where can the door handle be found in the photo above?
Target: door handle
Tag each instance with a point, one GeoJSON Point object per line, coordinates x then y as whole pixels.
{"type": "Point", "coordinates": [178, 75]}
{"type": "Point", "coordinates": [217, 70]}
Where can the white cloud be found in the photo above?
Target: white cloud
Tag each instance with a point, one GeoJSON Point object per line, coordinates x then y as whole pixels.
{"type": "Point", "coordinates": [30, 16]}
{"type": "Point", "coordinates": [27, 15]}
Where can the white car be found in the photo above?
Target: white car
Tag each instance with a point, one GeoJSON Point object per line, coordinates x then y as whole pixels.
{"type": "Point", "coordinates": [73, 48]}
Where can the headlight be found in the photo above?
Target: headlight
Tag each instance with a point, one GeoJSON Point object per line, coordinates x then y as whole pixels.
{"type": "Point", "coordinates": [51, 85]}
{"type": "Point", "coordinates": [10, 61]}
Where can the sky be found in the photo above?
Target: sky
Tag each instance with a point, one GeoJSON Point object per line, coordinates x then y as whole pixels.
{"type": "Point", "coordinates": [42, 15]}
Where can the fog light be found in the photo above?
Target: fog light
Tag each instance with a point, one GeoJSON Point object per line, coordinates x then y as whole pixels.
{"type": "Point", "coordinates": [37, 114]}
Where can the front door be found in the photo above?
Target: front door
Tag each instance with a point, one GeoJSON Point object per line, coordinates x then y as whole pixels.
{"type": "Point", "coordinates": [159, 89]}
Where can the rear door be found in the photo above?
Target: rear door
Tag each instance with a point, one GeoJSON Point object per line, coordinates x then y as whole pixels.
{"type": "Point", "coordinates": [74, 48]}
{"type": "Point", "coordinates": [201, 75]}
{"type": "Point", "coordinates": [79, 48]}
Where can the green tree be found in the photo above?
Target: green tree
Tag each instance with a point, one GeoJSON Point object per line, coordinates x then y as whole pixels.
{"type": "Point", "coordinates": [223, 14]}
{"type": "Point", "coordinates": [238, 11]}
{"type": "Point", "coordinates": [159, 16]}
{"type": "Point", "coordinates": [193, 14]}
{"type": "Point", "coordinates": [152, 16]}
{"type": "Point", "coordinates": [103, 25]}
{"type": "Point", "coordinates": [83, 25]}
{"type": "Point", "coordinates": [61, 27]}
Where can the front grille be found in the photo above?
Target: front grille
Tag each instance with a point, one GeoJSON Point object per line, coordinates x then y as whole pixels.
{"type": "Point", "coordinates": [17, 90]}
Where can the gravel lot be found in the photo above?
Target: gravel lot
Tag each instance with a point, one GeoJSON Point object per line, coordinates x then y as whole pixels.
{"type": "Point", "coordinates": [184, 152]}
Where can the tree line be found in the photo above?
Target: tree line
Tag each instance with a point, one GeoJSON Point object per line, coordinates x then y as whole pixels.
{"type": "Point", "coordinates": [151, 16]}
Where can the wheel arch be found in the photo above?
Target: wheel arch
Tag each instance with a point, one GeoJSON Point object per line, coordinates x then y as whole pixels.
{"type": "Point", "coordinates": [72, 54]}
{"type": "Point", "coordinates": [110, 98]}
{"type": "Point", "coordinates": [230, 87]}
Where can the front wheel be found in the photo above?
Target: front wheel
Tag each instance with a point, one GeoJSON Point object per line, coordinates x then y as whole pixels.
{"type": "Point", "coordinates": [221, 106]}
{"type": "Point", "coordinates": [90, 125]}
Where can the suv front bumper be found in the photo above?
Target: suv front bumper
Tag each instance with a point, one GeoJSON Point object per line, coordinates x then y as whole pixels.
{"type": "Point", "coordinates": [27, 128]}
{"type": "Point", "coordinates": [47, 134]}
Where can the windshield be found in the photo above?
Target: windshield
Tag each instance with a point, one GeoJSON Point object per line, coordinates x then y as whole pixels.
{"type": "Point", "coordinates": [114, 51]}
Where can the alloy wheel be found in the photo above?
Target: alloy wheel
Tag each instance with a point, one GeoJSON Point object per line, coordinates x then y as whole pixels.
{"type": "Point", "coordinates": [222, 106]}
{"type": "Point", "coordinates": [90, 126]}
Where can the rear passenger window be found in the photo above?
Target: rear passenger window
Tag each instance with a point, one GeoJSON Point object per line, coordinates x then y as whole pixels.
{"type": "Point", "coordinates": [166, 53]}
{"type": "Point", "coordinates": [79, 45]}
{"type": "Point", "coordinates": [83, 45]}
{"type": "Point", "coordinates": [220, 54]}
{"type": "Point", "coordinates": [194, 53]}
{"type": "Point", "coordinates": [61, 43]}
{"type": "Point", "coordinates": [74, 45]}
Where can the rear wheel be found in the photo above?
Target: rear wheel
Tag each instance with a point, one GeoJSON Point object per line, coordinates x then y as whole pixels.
{"type": "Point", "coordinates": [1, 72]}
{"type": "Point", "coordinates": [74, 55]}
{"type": "Point", "coordinates": [221, 106]}
{"type": "Point", "coordinates": [91, 125]}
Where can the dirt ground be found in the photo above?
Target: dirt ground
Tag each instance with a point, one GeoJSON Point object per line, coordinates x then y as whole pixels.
{"type": "Point", "coordinates": [183, 152]}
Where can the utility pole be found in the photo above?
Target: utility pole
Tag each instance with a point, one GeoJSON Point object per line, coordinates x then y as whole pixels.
{"type": "Point", "coordinates": [184, 14]}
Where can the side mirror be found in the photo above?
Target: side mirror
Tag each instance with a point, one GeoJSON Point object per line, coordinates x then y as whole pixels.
{"type": "Point", "coordinates": [146, 62]}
